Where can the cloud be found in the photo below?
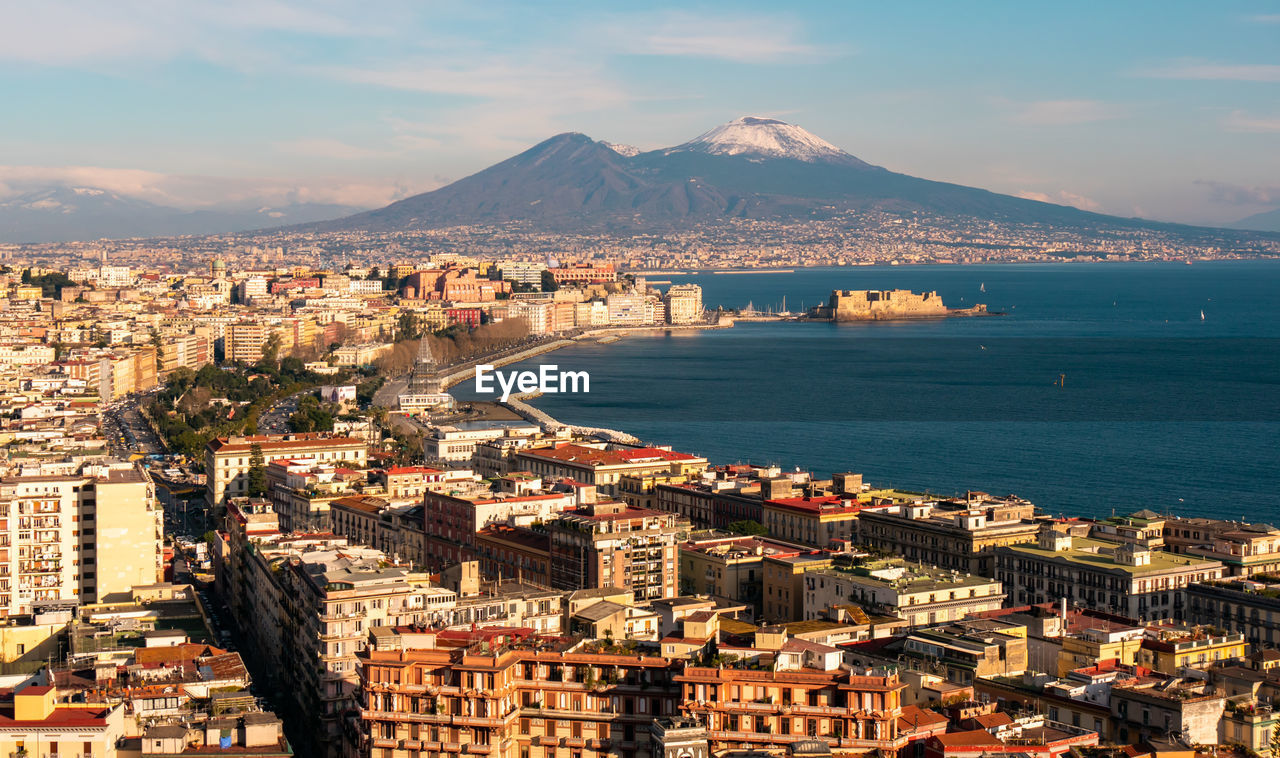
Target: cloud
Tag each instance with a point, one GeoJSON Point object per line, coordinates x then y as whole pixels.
{"type": "Point", "coordinates": [1236, 194]}
{"type": "Point", "coordinates": [737, 38]}
{"type": "Point", "coordinates": [1067, 112]}
{"type": "Point", "coordinates": [73, 33]}
{"type": "Point", "coordinates": [324, 147]}
{"type": "Point", "coordinates": [1201, 70]}
{"type": "Point", "coordinates": [193, 192]}
{"type": "Point", "coordinates": [1240, 121]}
{"type": "Point", "coordinates": [1266, 18]}
{"type": "Point", "coordinates": [1063, 197]}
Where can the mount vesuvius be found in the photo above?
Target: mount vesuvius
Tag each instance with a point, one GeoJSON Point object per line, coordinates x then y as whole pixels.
{"type": "Point", "coordinates": [749, 168]}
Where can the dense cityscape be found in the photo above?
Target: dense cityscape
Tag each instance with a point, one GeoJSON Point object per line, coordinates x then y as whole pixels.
{"type": "Point", "coordinates": [242, 515]}
{"type": "Point", "coordinates": [855, 238]}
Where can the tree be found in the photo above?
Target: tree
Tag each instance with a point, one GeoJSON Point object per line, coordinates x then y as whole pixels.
{"type": "Point", "coordinates": [749, 527]}
{"type": "Point", "coordinates": [549, 283]}
{"type": "Point", "coordinates": [271, 351]}
{"type": "Point", "coordinates": [1274, 743]}
{"type": "Point", "coordinates": [257, 472]}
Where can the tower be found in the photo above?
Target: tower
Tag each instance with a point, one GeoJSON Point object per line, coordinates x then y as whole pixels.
{"type": "Point", "coordinates": [425, 378]}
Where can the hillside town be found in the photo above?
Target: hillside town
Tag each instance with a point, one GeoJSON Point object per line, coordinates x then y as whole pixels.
{"type": "Point", "coordinates": [240, 514]}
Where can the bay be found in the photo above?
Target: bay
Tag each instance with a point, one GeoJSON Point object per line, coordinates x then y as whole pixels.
{"type": "Point", "coordinates": [1100, 389]}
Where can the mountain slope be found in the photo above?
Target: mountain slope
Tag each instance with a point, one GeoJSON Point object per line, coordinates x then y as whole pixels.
{"type": "Point", "coordinates": [1267, 221]}
{"type": "Point", "coordinates": [749, 168]}
{"type": "Point", "coordinates": [61, 214]}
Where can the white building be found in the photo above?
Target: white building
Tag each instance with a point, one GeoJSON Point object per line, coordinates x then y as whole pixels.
{"type": "Point", "coordinates": [684, 304]}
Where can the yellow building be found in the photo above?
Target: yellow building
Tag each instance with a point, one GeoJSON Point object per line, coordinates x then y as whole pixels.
{"type": "Point", "coordinates": [28, 647]}
{"type": "Point", "coordinates": [1088, 647]}
{"type": "Point", "coordinates": [42, 726]}
{"type": "Point", "coordinates": [784, 584]}
{"type": "Point", "coordinates": [1167, 649]}
{"type": "Point", "coordinates": [86, 538]}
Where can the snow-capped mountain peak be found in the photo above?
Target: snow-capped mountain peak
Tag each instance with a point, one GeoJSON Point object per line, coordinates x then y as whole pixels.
{"type": "Point", "coordinates": [755, 136]}
{"type": "Point", "coordinates": [628, 151]}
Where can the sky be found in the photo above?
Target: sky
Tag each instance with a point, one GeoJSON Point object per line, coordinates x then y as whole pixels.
{"type": "Point", "coordinates": [1166, 110]}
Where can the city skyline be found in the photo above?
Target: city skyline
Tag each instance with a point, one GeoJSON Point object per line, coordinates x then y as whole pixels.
{"type": "Point", "coordinates": [1155, 111]}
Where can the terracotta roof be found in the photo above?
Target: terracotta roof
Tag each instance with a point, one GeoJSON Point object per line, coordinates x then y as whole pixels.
{"type": "Point", "coordinates": [973, 738]}
{"type": "Point", "coordinates": [589, 456]}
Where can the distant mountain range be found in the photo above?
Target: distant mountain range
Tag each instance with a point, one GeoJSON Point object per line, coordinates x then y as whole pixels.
{"type": "Point", "coordinates": [749, 168]}
{"type": "Point", "coordinates": [1267, 221]}
{"type": "Point", "coordinates": [60, 214]}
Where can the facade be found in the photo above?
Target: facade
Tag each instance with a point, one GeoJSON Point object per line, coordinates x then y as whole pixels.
{"type": "Point", "coordinates": [815, 521]}
{"type": "Point", "coordinates": [229, 459]}
{"type": "Point", "coordinates": [85, 538]}
{"type": "Point", "coordinates": [1247, 607]}
{"type": "Point", "coordinates": [584, 273]}
{"type": "Point", "coordinates": [1118, 578]}
{"type": "Point", "coordinates": [729, 566]}
{"type": "Point", "coordinates": [36, 724]}
{"type": "Point", "coordinates": [684, 304]}
{"type": "Point", "coordinates": [921, 595]}
{"type": "Point", "coordinates": [1190, 709]}
{"type": "Point", "coordinates": [504, 693]}
{"type": "Point", "coordinates": [615, 545]}
{"type": "Point", "coordinates": [845, 711]}
{"type": "Point", "coordinates": [603, 468]}
{"type": "Point", "coordinates": [962, 536]}
{"type": "Point", "coordinates": [452, 519]}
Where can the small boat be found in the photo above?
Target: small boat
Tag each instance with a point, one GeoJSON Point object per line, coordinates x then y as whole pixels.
{"type": "Point", "coordinates": [982, 287]}
{"type": "Point", "coordinates": [1202, 315]}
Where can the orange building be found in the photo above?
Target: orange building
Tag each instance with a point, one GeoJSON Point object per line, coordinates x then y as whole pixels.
{"type": "Point", "coordinates": [508, 693]}
{"type": "Point", "coordinates": [747, 709]}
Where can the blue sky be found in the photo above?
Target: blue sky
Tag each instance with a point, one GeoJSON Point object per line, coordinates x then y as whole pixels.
{"type": "Point", "coordinates": [1168, 110]}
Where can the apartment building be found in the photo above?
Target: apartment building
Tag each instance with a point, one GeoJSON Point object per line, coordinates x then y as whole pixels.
{"type": "Point", "coordinates": [816, 703]}
{"type": "Point", "coordinates": [228, 459]}
{"type": "Point", "coordinates": [611, 544]}
{"type": "Point", "coordinates": [185, 351]}
{"type": "Point", "coordinates": [36, 724]}
{"type": "Point", "coordinates": [1122, 578]}
{"type": "Point", "coordinates": [603, 467]}
{"type": "Point", "coordinates": [956, 535]}
{"type": "Point", "coordinates": [1246, 606]}
{"type": "Point", "coordinates": [919, 594]}
{"type": "Point", "coordinates": [814, 521]}
{"type": "Point", "coordinates": [684, 304]}
{"type": "Point", "coordinates": [459, 443]}
{"type": "Point", "coordinates": [85, 538]}
{"type": "Point", "coordinates": [730, 566]}
{"type": "Point", "coordinates": [452, 519]}
{"type": "Point", "coordinates": [584, 273]}
{"type": "Point", "coordinates": [313, 600]}
{"type": "Point", "coordinates": [505, 693]}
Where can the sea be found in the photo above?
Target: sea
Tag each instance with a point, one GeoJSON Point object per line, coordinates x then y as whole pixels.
{"type": "Point", "coordinates": [1099, 388]}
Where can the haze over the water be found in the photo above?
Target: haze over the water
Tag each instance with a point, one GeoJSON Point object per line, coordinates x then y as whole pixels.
{"type": "Point", "coordinates": [1163, 110]}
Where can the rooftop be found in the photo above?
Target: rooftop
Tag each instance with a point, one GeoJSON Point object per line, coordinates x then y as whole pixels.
{"type": "Point", "coordinates": [590, 456]}
{"type": "Point", "coordinates": [1100, 555]}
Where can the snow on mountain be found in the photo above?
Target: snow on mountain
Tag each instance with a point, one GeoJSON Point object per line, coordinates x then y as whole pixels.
{"type": "Point", "coordinates": [629, 151]}
{"type": "Point", "coordinates": [766, 138]}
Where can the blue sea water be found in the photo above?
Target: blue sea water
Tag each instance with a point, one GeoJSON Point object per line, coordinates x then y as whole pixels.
{"type": "Point", "coordinates": [1101, 389]}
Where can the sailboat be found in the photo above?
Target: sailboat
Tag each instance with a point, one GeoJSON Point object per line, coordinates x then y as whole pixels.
{"type": "Point", "coordinates": [1202, 315]}
{"type": "Point", "coordinates": [982, 287]}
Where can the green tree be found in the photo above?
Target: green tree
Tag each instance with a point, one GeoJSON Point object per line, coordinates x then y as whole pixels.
{"type": "Point", "coordinates": [270, 352]}
{"type": "Point", "coordinates": [749, 527]}
{"type": "Point", "coordinates": [549, 283]}
{"type": "Point", "coordinates": [257, 472]}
